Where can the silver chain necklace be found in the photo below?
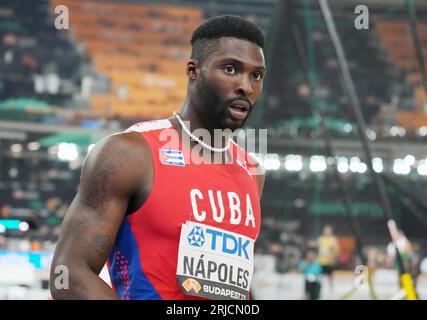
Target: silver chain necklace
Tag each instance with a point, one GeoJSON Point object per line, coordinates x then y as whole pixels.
{"type": "Point", "coordinates": [194, 138]}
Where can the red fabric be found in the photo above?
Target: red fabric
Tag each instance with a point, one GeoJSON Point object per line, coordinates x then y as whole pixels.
{"type": "Point", "coordinates": [156, 225]}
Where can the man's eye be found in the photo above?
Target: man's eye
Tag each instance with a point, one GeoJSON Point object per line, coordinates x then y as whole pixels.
{"type": "Point", "coordinates": [230, 69]}
{"type": "Point", "coordinates": [257, 76]}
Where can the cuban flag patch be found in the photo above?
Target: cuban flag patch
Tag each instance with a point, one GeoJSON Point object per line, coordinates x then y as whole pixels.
{"type": "Point", "coordinates": [172, 157]}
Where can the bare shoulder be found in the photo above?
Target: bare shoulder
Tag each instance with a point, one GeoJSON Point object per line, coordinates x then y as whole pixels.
{"type": "Point", "coordinates": [119, 147]}
{"type": "Point", "coordinates": [127, 142]}
{"type": "Point", "coordinates": [116, 165]}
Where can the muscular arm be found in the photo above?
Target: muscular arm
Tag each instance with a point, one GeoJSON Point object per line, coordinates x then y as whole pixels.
{"type": "Point", "coordinates": [111, 174]}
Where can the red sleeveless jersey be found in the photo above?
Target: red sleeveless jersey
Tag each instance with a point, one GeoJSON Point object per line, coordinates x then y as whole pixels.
{"type": "Point", "coordinates": [143, 262]}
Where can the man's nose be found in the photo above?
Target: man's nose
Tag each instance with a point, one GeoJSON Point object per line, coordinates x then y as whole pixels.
{"type": "Point", "coordinates": [245, 87]}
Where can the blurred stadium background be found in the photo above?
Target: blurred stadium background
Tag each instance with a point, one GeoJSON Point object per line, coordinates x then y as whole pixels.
{"type": "Point", "coordinates": [121, 62]}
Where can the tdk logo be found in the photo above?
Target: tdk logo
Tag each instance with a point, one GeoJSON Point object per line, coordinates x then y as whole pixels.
{"type": "Point", "coordinates": [228, 243]}
{"type": "Point", "coordinates": [196, 237]}
{"type": "Point", "coordinates": [219, 241]}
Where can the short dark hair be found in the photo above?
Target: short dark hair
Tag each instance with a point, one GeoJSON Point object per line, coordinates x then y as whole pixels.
{"type": "Point", "coordinates": [204, 38]}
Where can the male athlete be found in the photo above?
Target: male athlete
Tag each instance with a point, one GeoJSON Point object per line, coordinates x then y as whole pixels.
{"type": "Point", "coordinates": [169, 228]}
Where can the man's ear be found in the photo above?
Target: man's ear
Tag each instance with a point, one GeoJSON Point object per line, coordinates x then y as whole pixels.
{"type": "Point", "coordinates": [192, 69]}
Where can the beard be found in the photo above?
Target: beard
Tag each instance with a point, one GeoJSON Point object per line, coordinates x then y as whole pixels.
{"type": "Point", "coordinates": [213, 110]}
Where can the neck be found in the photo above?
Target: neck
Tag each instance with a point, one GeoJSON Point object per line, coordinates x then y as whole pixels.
{"type": "Point", "coordinates": [188, 113]}
{"type": "Point", "coordinates": [193, 121]}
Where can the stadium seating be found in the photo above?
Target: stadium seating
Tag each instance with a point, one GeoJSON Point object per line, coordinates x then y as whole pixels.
{"type": "Point", "coordinates": [396, 35]}
{"type": "Point", "coordinates": [141, 48]}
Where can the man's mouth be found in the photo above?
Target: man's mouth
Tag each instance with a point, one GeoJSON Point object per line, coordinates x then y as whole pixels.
{"type": "Point", "coordinates": [239, 109]}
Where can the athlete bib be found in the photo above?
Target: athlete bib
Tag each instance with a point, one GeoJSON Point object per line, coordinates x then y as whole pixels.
{"type": "Point", "coordinates": [214, 263]}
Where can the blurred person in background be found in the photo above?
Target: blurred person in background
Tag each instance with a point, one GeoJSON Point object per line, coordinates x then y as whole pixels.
{"type": "Point", "coordinates": [408, 252]}
{"type": "Point", "coordinates": [373, 258]}
{"type": "Point", "coordinates": [312, 271]}
{"type": "Point", "coordinates": [405, 249]}
{"type": "Point", "coordinates": [329, 251]}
